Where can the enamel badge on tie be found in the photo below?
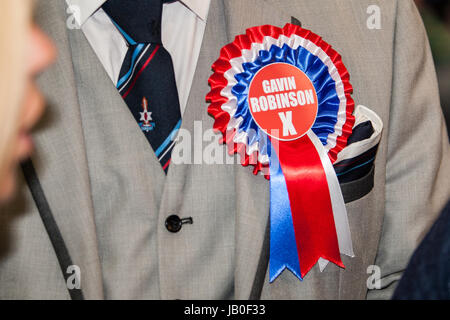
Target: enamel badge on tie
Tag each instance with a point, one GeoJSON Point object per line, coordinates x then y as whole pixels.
{"type": "Point", "coordinates": [282, 100]}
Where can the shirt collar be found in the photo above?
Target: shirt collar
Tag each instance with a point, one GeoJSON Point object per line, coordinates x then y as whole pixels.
{"type": "Point", "coordinates": [83, 9]}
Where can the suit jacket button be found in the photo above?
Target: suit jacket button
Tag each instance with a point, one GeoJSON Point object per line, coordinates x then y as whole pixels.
{"type": "Point", "coordinates": [174, 223]}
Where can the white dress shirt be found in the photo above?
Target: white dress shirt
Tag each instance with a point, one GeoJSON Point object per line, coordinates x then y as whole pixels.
{"type": "Point", "coordinates": [183, 27]}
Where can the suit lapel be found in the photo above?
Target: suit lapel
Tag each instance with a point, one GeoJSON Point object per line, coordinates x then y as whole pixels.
{"type": "Point", "coordinates": [253, 198]}
{"type": "Point", "coordinates": [60, 157]}
{"type": "Point", "coordinates": [196, 108]}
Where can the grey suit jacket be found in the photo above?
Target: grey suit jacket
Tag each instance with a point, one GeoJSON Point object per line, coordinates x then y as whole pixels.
{"type": "Point", "coordinates": [109, 198]}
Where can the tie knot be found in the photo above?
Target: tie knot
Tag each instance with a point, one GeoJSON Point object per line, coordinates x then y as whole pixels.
{"type": "Point", "coordinates": [139, 21]}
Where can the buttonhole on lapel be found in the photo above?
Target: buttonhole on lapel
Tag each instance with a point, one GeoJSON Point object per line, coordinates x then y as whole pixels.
{"type": "Point", "coordinates": [296, 21]}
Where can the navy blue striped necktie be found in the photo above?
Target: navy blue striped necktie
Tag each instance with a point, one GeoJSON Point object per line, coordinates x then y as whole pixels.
{"type": "Point", "coordinates": [147, 80]}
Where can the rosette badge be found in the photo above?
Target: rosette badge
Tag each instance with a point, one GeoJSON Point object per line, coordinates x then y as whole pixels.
{"type": "Point", "coordinates": [282, 100]}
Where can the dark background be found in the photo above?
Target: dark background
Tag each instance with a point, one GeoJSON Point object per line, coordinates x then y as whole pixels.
{"type": "Point", "coordinates": [436, 17]}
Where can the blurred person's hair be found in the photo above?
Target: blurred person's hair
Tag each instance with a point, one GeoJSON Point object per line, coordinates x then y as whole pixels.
{"type": "Point", "coordinates": [15, 20]}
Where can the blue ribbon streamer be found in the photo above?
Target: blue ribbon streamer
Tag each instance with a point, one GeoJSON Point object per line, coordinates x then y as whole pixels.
{"type": "Point", "coordinates": [283, 247]}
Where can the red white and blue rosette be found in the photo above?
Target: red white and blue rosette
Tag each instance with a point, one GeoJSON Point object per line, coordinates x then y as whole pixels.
{"type": "Point", "coordinates": [282, 100]}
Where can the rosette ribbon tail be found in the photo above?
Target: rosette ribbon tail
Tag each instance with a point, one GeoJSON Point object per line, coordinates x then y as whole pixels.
{"type": "Point", "coordinates": [302, 209]}
{"type": "Point", "coordinates": [283, 246]}
{"type": "Point", "coordinates": [271, 77]}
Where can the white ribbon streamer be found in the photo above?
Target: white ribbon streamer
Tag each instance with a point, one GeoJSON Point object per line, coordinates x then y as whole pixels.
{"type": "Point", "coordinates": [337, 202]}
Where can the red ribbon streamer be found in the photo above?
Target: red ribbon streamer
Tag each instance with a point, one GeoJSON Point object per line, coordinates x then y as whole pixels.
{"type": "Point", "coordinates": [311, 208]}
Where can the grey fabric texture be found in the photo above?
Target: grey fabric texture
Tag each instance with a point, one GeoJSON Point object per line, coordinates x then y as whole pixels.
{"type": "Point", "coordinates": [110, 197]}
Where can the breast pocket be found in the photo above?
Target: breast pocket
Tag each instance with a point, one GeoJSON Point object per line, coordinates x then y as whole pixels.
{"type": "Point", "coordinates": [355, 165]}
